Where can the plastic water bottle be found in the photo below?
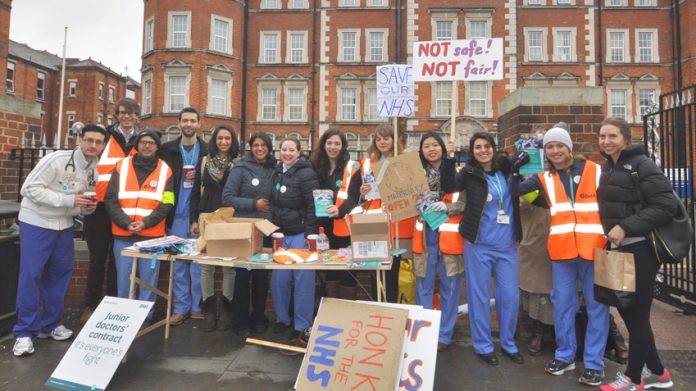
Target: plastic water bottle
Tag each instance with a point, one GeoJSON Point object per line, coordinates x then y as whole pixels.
{"type": "Point", "coordinates": [323, 245]}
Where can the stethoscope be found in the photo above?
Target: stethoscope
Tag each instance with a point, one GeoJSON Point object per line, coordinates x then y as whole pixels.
{"type": "Point", "coordinates": [90, 175]}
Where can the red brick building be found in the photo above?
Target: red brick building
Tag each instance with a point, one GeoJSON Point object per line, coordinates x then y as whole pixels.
{"type": "Point", "coordinates": [300, 66]}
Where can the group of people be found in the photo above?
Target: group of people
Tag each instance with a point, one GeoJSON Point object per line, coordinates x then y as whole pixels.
{"type": "Point", "coordinates": [145, 189]}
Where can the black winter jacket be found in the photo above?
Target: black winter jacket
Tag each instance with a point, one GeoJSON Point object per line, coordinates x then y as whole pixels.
{"type": "Point", "coordinates": [293, 209]}
{"type": "Point", "coordinates": [240, 191]}
{"type": "Point", "coordinates": [171, 154]}
{"type": "Point", "coordinates": [472, 179]}
{"type": "Point", "coordinates": [618, 198]}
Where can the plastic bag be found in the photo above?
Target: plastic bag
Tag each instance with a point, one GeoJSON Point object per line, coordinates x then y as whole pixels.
{"type": "Point", "coordinates": [407, 283]}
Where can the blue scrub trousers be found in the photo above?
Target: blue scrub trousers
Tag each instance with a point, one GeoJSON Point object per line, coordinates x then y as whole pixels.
{"type": "Point", "coordinates": [145, 271]}
{"type": "Point", "coordinates": [449, 287]}
{"type": "Point", "coordinates": [45, 268]}
{"type": "Point", "coordinates": [281, 281]}
{"type": "Point", "coordinates": [482, 261]}
{"type": "Point", "coordinates": [564, 296]}
{"type": "Point", "coordinates": [187, 275]}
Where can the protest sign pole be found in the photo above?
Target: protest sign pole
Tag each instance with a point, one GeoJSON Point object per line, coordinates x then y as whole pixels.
{"type": "Point", "coordinates": [395, 121]}
{"type": "Point", "coordinates": [453, 108]}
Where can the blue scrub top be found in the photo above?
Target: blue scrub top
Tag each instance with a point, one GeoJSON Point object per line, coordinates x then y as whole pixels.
{"type": "Point", "coordinates": [490, 231]}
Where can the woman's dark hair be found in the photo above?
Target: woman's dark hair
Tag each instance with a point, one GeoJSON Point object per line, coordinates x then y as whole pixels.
{"type": "Point", "coordinates": [483, 136]}
{"type": "Point", "coordinates": [623, 126]}
{"type": "Point", "coordinates": [320, 160]}
{"type": "Point", "coordinates": [298, 145]}
{"type": "Point", "coordinates": [212, 145]}
{"type": "Point", "coordinates": [438, 138]}
{"type": "Point", "coordinates": [270, 160]}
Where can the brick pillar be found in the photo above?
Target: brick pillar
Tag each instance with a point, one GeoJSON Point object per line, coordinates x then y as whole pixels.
{"type": "Point", "coordinates": [580, 107]}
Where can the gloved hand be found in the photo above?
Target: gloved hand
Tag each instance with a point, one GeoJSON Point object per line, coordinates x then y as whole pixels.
{"type": "Point", "coordinates": [438, 206]}
{"type": "Point", "coordinates": [521, 159]}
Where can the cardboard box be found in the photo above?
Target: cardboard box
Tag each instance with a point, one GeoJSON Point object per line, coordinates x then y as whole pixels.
{"type": "Point", "coordinates": [223, 235]}
{"type": "Point", "coordinates": [370, 238]}
{"type": "Point", "coordinates": [400, 179]}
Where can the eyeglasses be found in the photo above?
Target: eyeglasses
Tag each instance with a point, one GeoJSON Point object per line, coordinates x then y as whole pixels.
{"type": "Point", "coordinates": [147, 143]}
{"type": "Point", "coordinates": [93, 141]}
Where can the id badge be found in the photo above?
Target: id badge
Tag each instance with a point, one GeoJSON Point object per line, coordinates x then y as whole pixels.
{"type": "Point", "coordinates": [188, 184]}
{"type": "Point", "coordinates": [503, 219]}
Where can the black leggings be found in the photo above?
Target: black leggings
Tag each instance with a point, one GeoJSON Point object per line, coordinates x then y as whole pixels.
{"type": "Point", "coordinates": [642, 350]}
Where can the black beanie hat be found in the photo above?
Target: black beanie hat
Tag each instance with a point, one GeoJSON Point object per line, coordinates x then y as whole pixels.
{"type": "Point", "coordinates": [153, 133]}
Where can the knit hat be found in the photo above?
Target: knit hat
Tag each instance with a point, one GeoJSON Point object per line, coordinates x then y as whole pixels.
{"type": "Point", "coordinates": [153, 133]}
{"type": "Point", "coordinates": [559, 135]}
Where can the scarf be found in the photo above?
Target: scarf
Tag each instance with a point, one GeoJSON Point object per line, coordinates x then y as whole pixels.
{"type": "Point", "coordinates": [432, 174]}
{"type": "Point", "coordinates": [218, 166]}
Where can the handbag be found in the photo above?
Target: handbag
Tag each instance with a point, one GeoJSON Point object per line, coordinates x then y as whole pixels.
{"type": "Point", "coordinates": [614, 278]}
{"type": "Point", "coordinates": [671, 242]}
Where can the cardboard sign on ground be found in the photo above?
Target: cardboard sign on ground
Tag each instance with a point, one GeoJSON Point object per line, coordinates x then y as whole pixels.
{"type": "Point", "coordinates": [400, 179]}
{"type": "Point", "coordinates": [95, 354]}
{"type": "Point", "coordinates": [354, 346]}
{"type": "Point", "coordinates": [420, 357]}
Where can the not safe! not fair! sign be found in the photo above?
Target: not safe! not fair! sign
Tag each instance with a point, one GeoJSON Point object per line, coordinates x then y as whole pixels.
{"type": "Point", "coordinates": [467, 59]}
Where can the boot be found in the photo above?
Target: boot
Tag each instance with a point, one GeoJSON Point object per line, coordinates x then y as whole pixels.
{"type": "Point", "coordinates": [225, 314]}
{"type": "Point", "coordinates": [616, 342]}
{"type": "Point", "coordinates": [535, 345]}
{"type": "Point", "coordinates": [331, 289]}
{"type": "Point", "coordinates": [209, 309]}
{"type": "Point", "coordinates": [348, 292]}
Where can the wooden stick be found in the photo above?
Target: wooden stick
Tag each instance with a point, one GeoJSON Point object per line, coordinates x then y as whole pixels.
{"type": "Point", "coordinates": [276, 345]}
{"type": "Point", "coordinates": [453, 125]}
{"type": "Point", "coordinates": [396, 153]}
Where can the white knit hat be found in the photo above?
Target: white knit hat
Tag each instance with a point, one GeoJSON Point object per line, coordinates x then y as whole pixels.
{"type": "Point", "coordinates": [558, 135]}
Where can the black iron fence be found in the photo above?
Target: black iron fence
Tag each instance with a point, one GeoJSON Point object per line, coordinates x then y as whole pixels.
{"type": "Point", "coordinates": [669, 136]}
{"type": "Point", "coordinates": [27, 158]}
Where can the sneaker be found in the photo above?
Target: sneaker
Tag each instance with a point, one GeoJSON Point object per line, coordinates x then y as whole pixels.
{"type": "Point", "coordinates": [651, 380]}
{"type": "Point", "coordinates": [621, 384]}
{"type": "Point", "coordinates": [591, 377]}
{"type": "Point", "coordinates": [60, 333]}
{"type": "Point", "coordinates": [23, 346]}
{"type": "Point", "coordinates": [557, 367]}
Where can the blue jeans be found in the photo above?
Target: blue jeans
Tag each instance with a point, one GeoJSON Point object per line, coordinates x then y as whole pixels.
{"type": "Point", "coordinates": [281, 281]}
{"type": "Point", "coordinates": [449, 287]}
{"type": "Point", "coordinates": [45, 269]}
{"type": "Point", "coordinates": [146, 271]}
{"type": "Point", "coordinates": [564, 296]}
{"type": "Point", "coordinates": [481, 262]}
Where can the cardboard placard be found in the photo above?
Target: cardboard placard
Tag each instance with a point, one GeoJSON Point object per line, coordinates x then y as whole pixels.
{"type": "Point", "coordinates": [466, 59]}
{"type": "Point", "coordinates": [396, 95]}
{"type": "Point", "coordinates": [401, 179]}
{"type": "Point", "coordinates": [97, 351]}
{"type": "Point", "coordinates": [354, 346]}
{"type": "Point", "coordinates": [420, 357]}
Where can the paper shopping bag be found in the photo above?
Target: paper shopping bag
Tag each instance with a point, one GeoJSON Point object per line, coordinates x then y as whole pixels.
{"type": "Point", "coordinates": [615, 277]}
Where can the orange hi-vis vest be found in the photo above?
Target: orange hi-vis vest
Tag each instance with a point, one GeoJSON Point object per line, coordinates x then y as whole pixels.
{"type": "Point", "coordinates": [576, 229]}
{"type": "Point", "coordinates": [375, 206]}
{"type": "Point", "coordinates": [450, 242]}
{"type": "Point", "coordinates": [138, 201]}
{"type": "Point", "coordinates": [111, 155]}
{"type": "Point", "coordinates": [294, 255]}
{"type": "Point", "coordinates": [340, 227]}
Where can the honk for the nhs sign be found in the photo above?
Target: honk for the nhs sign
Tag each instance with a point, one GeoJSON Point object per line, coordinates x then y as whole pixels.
{"type": "Point", "coordinates": [467, 59]}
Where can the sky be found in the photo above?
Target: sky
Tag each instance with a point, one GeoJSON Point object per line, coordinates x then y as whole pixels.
{"type": "Point", "coordinates": [93, 26]}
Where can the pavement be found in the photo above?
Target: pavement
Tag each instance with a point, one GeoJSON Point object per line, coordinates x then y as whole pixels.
{"type": "Point", "coordinates": [193, 360]}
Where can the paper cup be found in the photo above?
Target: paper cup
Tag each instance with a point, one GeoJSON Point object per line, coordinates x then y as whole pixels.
{"type": "Point", "coordinates": [312, 242]}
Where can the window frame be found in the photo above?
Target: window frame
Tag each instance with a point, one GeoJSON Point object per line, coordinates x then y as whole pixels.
{"type": "Point", "coordinates": [72, 88]}
{"type": "Point", "coordinates": [175, 71]}
{"type": "Point", "coordinates": [654, 52]}
{"type": "Point", "coordinates": [450, 17]}
{"type": "Point", "coordinates": [626, 51]}
{"type": "Point", "coordinates": [40, 90]}
{"type": "Point", "coordinates": [149, 35]}
{"type": "Point", "coordinates": [112, 94]}
{"type": "Point", "coordinates": [434, 88]}
{"type": "Point", "coordinates": [170, 30]}
{"type": "Point", "coordinates": [369, 47]}
{"type": "Point", "coordinates": [267, 85]}
{"type": "Point", "coordinates": [262, 44]}
{"type": "Point", "coordinates": [10, 80]}
{"type": "Point", "coordinates": [573, 53]}
{"type": "Point", "coordinates": [291, 5]}
{"type": "Point", "coordinates": [544, 31]}
{"type": "Point", "coordinates": [287, 112]}
{"type": "Point", "coordinates": [264, 5]}
{"type": "Point", "coordinates": [228, 38]}
{"type": "Point", "coordinates": [341, 45]}
{"type": "Point", "coordinates": [348, 3]}
{"type": "Point", "coordinates": [289, 46]}
{"type": "Point", "coordinates": [147, 93]}
{"type": "Point", "coordinates": [469, 98]}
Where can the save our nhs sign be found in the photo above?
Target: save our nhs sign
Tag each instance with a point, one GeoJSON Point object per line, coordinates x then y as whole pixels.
{"type": "Point", "coordinates": [396, 95]}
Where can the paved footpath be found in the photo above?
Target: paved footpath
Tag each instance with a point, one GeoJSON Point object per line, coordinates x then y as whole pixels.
{"type": "Point", "coordinates": [192, 360]}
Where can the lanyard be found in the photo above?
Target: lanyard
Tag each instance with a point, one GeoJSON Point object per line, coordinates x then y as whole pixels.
{"type": "Point", "coordinates": [572, 191]}
{"type": "Point", "coordinates": [188, 157]}
{"type": "Point", "coordinates": [499, 188]}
